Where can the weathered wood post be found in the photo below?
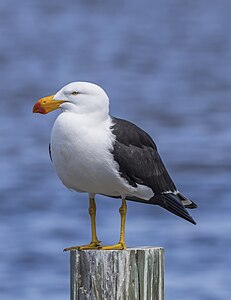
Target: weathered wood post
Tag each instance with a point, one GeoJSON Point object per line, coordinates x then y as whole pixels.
{"type": "Point", "coordinates": [132, 274]}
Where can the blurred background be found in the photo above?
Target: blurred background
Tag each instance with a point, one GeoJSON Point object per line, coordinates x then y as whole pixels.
{"type": "Point", "coordinates": [165, 66]}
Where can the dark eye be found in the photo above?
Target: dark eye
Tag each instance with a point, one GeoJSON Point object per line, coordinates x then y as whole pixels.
{"type": "Point", "coordinates": [74, 93]}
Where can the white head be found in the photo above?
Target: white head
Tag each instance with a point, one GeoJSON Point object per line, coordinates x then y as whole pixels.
{"type": "Point", "coordinates": [77, 97]}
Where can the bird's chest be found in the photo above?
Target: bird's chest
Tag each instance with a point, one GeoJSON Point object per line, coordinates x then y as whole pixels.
{"type": "Point", "coordinates": [81, 154]}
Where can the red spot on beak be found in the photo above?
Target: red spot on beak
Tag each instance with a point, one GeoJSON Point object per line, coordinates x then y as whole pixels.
{"type": "Point", "coordinates": [39, 109]}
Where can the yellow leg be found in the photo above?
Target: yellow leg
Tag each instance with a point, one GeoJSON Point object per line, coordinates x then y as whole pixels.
{"type": "Point", "coordinates": [95, 243]}
{"type": "Point", "coordinates": [92, 213]}
{"type": "Point", "coordinates": [121, 244]}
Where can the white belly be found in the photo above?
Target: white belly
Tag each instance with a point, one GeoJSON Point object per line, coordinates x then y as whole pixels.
{"type": "Point", "coordinates": [81, 154]}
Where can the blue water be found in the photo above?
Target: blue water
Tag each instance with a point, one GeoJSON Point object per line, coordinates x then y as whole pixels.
{"type": "Point", "coordinates": [166, 67]}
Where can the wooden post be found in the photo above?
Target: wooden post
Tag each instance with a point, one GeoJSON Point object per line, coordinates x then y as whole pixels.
{"type": "Point", "coordinates": [132, 274]}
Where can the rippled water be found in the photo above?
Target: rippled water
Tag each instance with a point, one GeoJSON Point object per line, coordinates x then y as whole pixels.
{"type": "Point", "coordinates": [166, 67]}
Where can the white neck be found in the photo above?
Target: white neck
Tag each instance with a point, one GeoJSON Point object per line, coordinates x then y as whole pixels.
{"type": "Point", "coordinates": [90, 116]}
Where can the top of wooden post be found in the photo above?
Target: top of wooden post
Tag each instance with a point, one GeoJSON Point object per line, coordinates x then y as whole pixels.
{"type": "Point", "coordinates": [135, 273]}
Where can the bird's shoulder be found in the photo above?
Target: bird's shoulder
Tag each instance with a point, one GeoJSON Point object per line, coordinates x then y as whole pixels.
{"type": "Point", "coordinates": [127, 133]}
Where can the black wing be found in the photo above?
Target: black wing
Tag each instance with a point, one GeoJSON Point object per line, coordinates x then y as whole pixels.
{"type": "Point", "coordinates": [138, 158]}
{"type": "Point", "coordinates": [139, 163]}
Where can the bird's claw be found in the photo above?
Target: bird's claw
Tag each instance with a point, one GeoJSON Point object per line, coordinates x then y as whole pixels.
{"type": "Point", "coordinates": [119, 246]}
{"type": "Point", "coordinates": [91, 246]}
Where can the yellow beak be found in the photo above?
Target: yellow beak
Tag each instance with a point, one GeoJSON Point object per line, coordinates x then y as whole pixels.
{"type": "Point", "coordinates": [46, 105]}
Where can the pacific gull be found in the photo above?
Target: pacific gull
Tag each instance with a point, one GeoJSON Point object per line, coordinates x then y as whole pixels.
{"type": "Point", "coordinates": [95, 153]}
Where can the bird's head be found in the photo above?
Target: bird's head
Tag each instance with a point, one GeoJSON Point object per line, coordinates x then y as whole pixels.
{"type": "Point", "coordinates": [77, 97]}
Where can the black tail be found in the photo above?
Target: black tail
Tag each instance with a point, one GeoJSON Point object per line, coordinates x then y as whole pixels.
{"type": "Point", "coordinates": [172, 203]}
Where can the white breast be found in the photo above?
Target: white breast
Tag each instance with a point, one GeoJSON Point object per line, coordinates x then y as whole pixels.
{"type": "Point", "coordinates": [81, 155]}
